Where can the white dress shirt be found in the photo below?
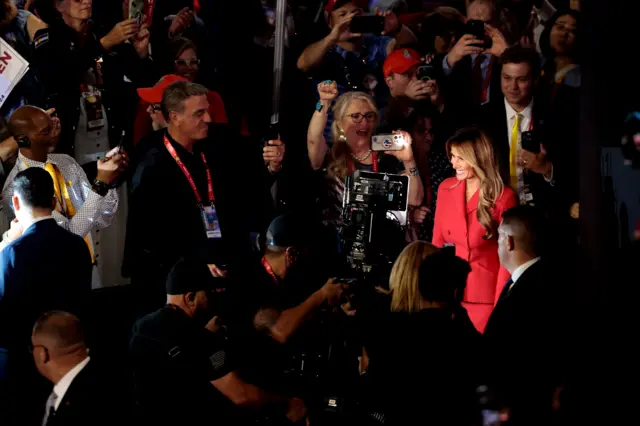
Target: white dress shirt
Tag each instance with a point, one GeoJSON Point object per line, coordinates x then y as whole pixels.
{"type": "Point", "coordinates": [63, 385]}
{"type": "Point", "coordinates": [525, 125]}
{"type": "Point", "coordinates": [520, 270]}
{"type": "Point", "coordinates": [36, 220]}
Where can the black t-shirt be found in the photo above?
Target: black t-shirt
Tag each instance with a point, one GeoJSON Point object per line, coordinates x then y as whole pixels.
{"type": "Point", "coordinates": [174, 360]}
{"type": "Point", "coordinates": [165, 222]}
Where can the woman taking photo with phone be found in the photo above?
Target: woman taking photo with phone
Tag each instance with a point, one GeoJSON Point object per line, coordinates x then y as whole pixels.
{"type": "Point", "coordinates": [468, 212]}
{"type": "Point", "coordinates": [356, 118]}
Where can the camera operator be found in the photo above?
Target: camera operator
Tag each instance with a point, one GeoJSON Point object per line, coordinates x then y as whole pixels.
{"type": "Point", "coordinates": [182, 369]}
{"type": "Point", "coordinates": [425, 355]}
{"type": "Point", "coordinates": [274, 293]}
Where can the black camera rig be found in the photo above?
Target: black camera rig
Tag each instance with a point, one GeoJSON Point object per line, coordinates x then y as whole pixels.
{"type": "Point", "coordinates": [374, 214]}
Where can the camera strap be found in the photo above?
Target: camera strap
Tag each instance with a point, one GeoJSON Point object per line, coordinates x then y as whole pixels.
{"type": "Point", "coordinates": [269, 269]}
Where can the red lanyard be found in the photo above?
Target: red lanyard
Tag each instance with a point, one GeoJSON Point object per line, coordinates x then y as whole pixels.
{"type": "Point", "coordinates": [269, 270]}
{"type": "Point", "coordinates": [374, 164]}
{"type": "Point", "coordinates": [174, 154]}
{"type": "Point", "coordinates": [486, 82]}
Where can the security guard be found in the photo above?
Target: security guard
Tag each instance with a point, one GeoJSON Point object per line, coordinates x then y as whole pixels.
{"type": "Point", "coordinates": [181, 368]}
{"type": "Point", "coordinates": [85, 75]}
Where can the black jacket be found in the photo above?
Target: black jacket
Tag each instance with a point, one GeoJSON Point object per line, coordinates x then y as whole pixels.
{"type": "Point", "coordinates": [66, 59]}
{"type": "Point", "coordinates": [164, 220]}
{"type": "Point", "coordinates": [525, 342]}
{"type": "Point", "coordinates": [92, 398]}
{"type": "Point", "coordinates": [47, 268]}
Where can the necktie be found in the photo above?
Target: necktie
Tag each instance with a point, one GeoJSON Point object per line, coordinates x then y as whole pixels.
{"type": "Point", "coordinates": [505, 289]}
{"type": "Point", "coordinates": [50, 409]}
{"type": "Point", "coordinates": [513, 152]}
{"type": "Point", "coordinates": [476, 78]}
{"type": "Point", "coordinates": [64, 205]}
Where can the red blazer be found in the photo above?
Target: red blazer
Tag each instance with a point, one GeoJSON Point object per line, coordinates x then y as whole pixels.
{"type": "Point", "coordinates": [456, 222]}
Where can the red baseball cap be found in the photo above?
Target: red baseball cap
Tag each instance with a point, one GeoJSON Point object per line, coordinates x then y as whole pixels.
{"type": "Point", "coordinates": [400, 61]}
{"type": "Point", "coordinates": [153, 95]}
{"type": "Point", "coordinates": [334, 4]}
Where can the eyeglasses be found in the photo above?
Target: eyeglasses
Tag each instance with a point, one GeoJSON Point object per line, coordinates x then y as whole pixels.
{"type": "Point", "coordinates": [187, 62]}
{"type": "Point", "coordinates": [357, 117]}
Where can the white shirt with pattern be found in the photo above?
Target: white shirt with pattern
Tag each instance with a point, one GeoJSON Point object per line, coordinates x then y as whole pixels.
{"type": "Point", "coordinates": [92, 210]}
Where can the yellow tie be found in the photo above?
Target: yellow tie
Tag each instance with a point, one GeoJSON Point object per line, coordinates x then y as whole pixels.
{"type": "Point", "coordinates": [513, 153]}
{"type": "Point", "coordinates": [64, 204]}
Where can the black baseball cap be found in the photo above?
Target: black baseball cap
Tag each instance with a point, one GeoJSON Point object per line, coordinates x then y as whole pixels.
{"type": "Point", "coordinates": [287, 230]}
{"type": "Point", "coordinates": [190, 275]}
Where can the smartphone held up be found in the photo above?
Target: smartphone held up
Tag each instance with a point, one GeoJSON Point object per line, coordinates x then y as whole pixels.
{"type": "Point", "coordinates": [367, 24]}
{"type": "Point", "coordinates": [388, 142]}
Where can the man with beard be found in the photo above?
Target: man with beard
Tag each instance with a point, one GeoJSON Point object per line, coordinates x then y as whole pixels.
{"type": "Point", "coordinates": [181, 362]}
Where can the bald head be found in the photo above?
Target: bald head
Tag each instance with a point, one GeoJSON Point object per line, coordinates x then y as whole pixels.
{"type": "Point", "coordinates": [25, 119]}
{"type": "Point", "coordinates": [38, 127]}
{"type": "Point", "coordinates": [60, 332]}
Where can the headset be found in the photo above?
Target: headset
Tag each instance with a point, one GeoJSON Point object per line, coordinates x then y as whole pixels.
{"type": "Point", "coordinates": [23, 141]}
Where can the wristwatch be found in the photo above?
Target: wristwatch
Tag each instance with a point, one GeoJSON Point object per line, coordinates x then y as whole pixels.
{"type": "Point", "coordinates": [101, 188]}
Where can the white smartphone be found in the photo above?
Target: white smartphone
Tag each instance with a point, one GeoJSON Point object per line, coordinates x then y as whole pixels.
{"type": "Point", "coordinates": [388, 142]}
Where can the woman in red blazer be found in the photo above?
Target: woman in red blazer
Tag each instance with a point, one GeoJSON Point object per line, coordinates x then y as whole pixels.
{"type": "Point", "coordinates": [468, 211]}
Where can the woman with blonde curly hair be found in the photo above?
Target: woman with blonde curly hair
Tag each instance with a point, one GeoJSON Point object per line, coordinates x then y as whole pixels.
{"type": "Point", "coordinates": [356, 118]}
{"type": "Point", "coordinates": [468, 212]}
{"type": "Point", "coordinates": [403, 283]}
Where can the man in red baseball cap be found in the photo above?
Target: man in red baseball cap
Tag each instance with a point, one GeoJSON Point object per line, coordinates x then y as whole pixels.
{"type": "Point", "coordinates": [400, 73]}
{"type": "Point", "coordinates": [153, 96]}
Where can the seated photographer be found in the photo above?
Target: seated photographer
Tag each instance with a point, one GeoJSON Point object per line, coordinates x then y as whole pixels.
{"type": "Point", "coordinates": [183, 372]}
{"type": "Point", "coordinates": [425, 354]}
{"type": "Point", "coordinates": [357, 116]}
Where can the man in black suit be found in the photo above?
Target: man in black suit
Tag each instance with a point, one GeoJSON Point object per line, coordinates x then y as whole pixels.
{"type": "Point", "coordinates": [80, 394]}
{"type": "Point", "coordinates": [532, 174]}
{"type": "Point", "coordinates": [46, 268]}
{"type": "Point", "coordinates": [524, 331]}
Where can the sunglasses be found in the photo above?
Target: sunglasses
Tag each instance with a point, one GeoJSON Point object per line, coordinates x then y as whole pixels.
{"type": "Point", "coordinates": [357, 117]}
{"type": "Point", "coordinates": [187, 62]}
{"type": "Point", "coordinates": [156, 108]}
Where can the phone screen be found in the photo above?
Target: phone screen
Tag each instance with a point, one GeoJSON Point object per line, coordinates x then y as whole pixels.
{"type": "Point", "coordinates": [369, 24]}
{"type": "Point", "coordinates": [530, 142]}
{"type": "Point", "coordinates": [136, 8]}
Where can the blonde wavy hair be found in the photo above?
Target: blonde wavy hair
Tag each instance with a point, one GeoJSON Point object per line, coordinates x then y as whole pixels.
{"type": "Point", "coordinates": [475, 147]}
{"type": "Point", "coordinates": [340, 153]}
{"type": "Point", "coordinates": [403, 283]}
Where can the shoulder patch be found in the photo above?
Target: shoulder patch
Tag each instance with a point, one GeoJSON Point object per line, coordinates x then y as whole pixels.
{"type": "Point", "coordinates": [41, 39]}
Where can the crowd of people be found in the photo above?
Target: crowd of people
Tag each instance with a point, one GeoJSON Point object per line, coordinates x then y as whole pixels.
{"type": "Point", "coordinates": [136, 170]}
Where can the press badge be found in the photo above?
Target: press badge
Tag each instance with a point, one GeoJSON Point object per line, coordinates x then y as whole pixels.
{"type": "Point", "coordinates": [211, 222]}
{"type": "Point", "coordinates": [93, 109]}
